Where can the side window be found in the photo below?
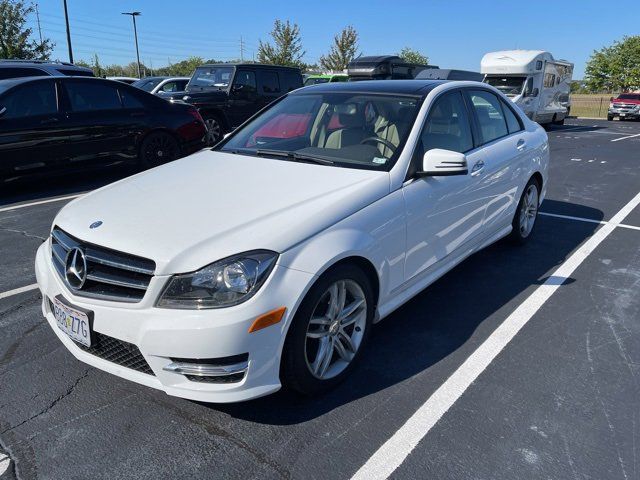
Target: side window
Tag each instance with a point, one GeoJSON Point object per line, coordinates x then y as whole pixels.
{"type": "Point", "coordinates": [447, 125]}
{"type": "Point", "coordinates": [549, 80]}
{"type": "Point", "coordinates": [291, 81]}
{"type": "Point", "coordinates": [89, 96]}
{"type": "Point", "coordinates": [270, 83]}
{"type": "Point", "coordinates": [170, 87]}
{"type": "Point", "coordinates": [129, 99]}
{"type": "Point", "coordinates": [513, 124]}
{"type": "Point", "coordinates": [247, 79]}
{"type": "Point", "coordinates": [20, 72]}
{"type": "Point", "coordinates": [36, 98]}
{"type": "Point", "coordinates": [489, 113]}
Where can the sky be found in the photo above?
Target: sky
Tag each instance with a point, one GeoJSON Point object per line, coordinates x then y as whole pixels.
{"type": "Point", "coordinates": [452, 33]}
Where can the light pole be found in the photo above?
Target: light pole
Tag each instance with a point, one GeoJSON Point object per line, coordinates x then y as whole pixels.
{"type": "Point", "coordinates": [66, 18]}
{"type": "Point", "coordinates": [135, 34]}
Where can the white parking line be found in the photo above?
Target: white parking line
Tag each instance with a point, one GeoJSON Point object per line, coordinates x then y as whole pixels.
{"type": "Point", "coordinates": [395, 450]}
{"type": "Point", "coordinates": [624, 138]}
{"type": "Point", "coordinates": [40, 202]}
{"type": "Point", "coordinates": [16, 291]}
{"type": "Point", "coordinates": [589, 220]}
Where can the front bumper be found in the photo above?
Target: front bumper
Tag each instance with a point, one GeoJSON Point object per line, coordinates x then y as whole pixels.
{"type": "Point", "coordinates": [624, 113]}
{"type": "Point", "coordinates": [167, 337]}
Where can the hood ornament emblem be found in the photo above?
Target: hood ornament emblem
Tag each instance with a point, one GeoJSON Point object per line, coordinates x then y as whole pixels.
{"type": "Point", "coordinates": [95, 224]}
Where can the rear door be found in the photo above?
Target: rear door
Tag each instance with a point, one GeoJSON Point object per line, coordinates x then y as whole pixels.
{"type": "Point", "coordinates": [502, 156]}
{"type": "Point", "coordinates": [269, 88]}
{"type": "Point", "coordinates": [32, 136]}
{"type": "Point", "coordinates": [100, 128]}
{"type": "Point", "coordinates": [243, 96]}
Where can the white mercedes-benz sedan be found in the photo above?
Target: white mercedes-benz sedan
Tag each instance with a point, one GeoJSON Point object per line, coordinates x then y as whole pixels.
{"type": "Point", "coordinates": [266, 260]}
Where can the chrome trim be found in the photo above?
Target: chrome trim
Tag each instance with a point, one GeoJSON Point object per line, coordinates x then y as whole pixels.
{"type": "Point", "coordinates": [102, 259]}
{"type": "Point", "coordinates": [114, 280]}
{"type": "Point", "coordinates": [206, 370]}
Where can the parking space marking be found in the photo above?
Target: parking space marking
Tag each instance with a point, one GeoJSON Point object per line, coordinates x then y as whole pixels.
{"type": "Point", "coordinates": [589, 220]}
{"type": "Point", "coordinates": [16, 291]}
{"type": "Point", "coordinates": [395, 450]}
{"type": "Point", "coordinates": [624, 138]}
{"type": "Point", "coordinates": [40, 202]}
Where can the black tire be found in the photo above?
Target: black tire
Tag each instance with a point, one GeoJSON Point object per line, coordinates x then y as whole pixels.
{"type": "Point", "coordinates": [215, 129]}
{"type": "Point", "coordinates": [610, 117]}
{"type": "Point", "coordinates": [295, 371]}
{"type": "Point", "coordinates": [158, 148]}
{"type": "Point", "coordinates": [518, 235]}
{"type": "Point", "coordinates": [558, 122]}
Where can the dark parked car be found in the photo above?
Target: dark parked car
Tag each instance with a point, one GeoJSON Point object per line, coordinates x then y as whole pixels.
{"type": "Point", "coordinates": [39, 68]}
{"type": "Point", "coordinates": [383, 67]}
{"type": "Point", "coordinates": [56, 123]}
{"type": "Point", "coordinates": [228, 94]}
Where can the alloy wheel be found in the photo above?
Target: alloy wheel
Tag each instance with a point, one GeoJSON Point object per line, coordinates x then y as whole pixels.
{"type": "Point", "coordinates": [528, 210]}
{"type": "Point", "coordinates": [336, 329]}
{"type": "Point", "coordinates": [214, 131]}
{"type": "Point", "coordinates": [159, 149]}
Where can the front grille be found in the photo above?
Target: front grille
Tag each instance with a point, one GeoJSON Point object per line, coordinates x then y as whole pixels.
{"type": "Point", "coordinates": [117, 351]}
{"type": "Point", "coordinates": [234, 378]}
{"type": "Point", "coordinates": [110, 275]}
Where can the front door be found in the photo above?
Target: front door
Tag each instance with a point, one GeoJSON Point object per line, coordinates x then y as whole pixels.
{"type": "Point", "coordinates": [243, 98]}
{"type": "Point", "coordinates": [444, 213]}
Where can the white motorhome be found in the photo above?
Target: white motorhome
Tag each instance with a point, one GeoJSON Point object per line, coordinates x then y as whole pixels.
{"type": "Point", "coordinates": [533, 80]}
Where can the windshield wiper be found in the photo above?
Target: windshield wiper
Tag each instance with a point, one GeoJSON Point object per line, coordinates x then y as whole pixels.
{"type": "Point", "coordinates": [297, 157]}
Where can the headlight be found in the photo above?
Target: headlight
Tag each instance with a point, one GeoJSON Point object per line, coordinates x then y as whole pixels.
{"type": "Point", "coordinates": [224, 283]}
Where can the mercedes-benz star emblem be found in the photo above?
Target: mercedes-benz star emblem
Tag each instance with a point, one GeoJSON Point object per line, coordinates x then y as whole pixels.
{"type": "Point", "coordinates": [76, 268]}
{"type": "Point", "coordinates": [95, 224]}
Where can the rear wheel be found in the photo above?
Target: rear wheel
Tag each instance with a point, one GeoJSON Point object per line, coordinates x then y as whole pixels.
{"type": "Point", "coordinates": [158, 148]}
{"type": "Point", "coordinates": [558, 122]}
{"type": "Point", "coordinates": [524, 220]}
{"type": "Point", "coordinates": [329, 331]}
{"type": "Point", "coordinates": [214, 130]}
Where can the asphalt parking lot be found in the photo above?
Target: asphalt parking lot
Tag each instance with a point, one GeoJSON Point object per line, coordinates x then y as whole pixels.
{"type": "Point", "coordinates": [482, 373]}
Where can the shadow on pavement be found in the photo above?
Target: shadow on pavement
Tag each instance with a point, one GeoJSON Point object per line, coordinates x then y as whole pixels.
{"type": "Point", "coordinates": [440, 320]}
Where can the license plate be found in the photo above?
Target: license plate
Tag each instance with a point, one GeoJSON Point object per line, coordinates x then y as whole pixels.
{"type": "Point", "coordinates": [623, 114]}
{"type": "Point", "coordinates": [73, 321]}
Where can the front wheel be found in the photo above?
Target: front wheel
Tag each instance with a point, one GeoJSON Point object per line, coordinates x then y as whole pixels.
{"type": "Point", "coordinates": [214, 130]}
{"type": "Point", "coordinates": [329, 331]}
{"type": "Point", "coordinates": [525, 218]}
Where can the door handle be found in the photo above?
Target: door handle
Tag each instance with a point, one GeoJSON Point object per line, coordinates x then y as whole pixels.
{"type": "Point", "coordinates": [478, 168]}
{"type": "Point", "coordinates": [521, 144]}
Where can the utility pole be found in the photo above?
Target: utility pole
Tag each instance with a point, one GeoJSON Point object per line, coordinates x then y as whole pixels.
{"type": "Point", "coordinates": [38, 19]}
{"type": "Point", "coordinates": [66, 19]}
{"type": "Point", "coordinates": [241, 50]}
{"type": "Point", "coordinates": [135, 34]}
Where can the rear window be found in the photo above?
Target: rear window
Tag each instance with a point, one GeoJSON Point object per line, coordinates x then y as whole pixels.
{"type": "Point", "coordinates": [88, 96]}
{"type": "Point", "coordinates": [270, 83]}
{"type": "Point", "coordinates": [19, 72]}
{"type": "Point", "coordinates": [290, 81]}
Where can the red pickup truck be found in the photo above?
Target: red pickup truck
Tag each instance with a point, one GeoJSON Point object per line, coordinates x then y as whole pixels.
{"type": "Point", "coordinates": [625, 105]}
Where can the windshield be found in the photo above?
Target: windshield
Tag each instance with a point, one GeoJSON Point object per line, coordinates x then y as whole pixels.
{"type": "Point", "coordinates": [343, 129]}
{"type": "Point", "coordinates": [508, 85]}
{"type": "Point", "coordinates": [628, 96]}
{"type": "Point", "coordinates": [217, 78]}
{"type": "Point", "coordinates": [315, 80]}
{"type": "Point", "coordinates": [146, 84]}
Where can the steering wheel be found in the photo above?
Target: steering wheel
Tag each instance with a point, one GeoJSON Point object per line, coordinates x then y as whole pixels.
{"type": "Point", "coordinates": [386, 143]}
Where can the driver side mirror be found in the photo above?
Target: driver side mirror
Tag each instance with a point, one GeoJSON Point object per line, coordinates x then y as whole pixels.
{"type": "Point", "coordinates": [439, 163]}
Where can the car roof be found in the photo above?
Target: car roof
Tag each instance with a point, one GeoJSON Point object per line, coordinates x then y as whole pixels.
{"type": "Point", "coordinates": [402, 87]}
{"type": "Point", "coordinates": [253, 65]}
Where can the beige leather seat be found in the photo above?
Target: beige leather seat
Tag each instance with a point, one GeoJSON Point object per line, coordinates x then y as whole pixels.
{"type": "Point", "coordinates": [351, 133]}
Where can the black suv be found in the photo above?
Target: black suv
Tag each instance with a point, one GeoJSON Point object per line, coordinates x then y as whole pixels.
{"type": "Point", "coordinates": [228, 94]}
{"type": "Point", "coordinates": [40, 68]}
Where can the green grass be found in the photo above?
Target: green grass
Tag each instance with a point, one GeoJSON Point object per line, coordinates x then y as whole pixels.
{"type": "Point", "coordinates": [590, 105]}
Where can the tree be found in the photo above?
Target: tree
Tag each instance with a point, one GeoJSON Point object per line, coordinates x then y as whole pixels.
{"type": "Point", "coordinates": [343, 50]}
{"type": "Point", "coordinates": [286, 48]}
{"type": "Point", "coordinates": [615, 68]}
{"type": "Point", "coordinates": [410, 55]}
{"type": "Point", "coordinates": [15, 37]}
{"type": "Point", "coordinates": [183, 68]}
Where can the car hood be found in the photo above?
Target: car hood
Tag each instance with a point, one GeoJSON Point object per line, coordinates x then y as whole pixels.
{"type": "Point", "coordinates": [211, 205]}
